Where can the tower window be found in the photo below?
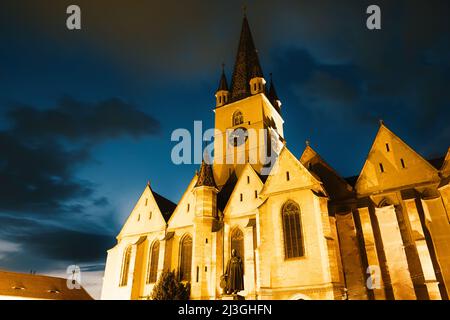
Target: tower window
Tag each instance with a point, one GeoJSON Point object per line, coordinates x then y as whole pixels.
{"type": "Point", "coordinates": [381, 167]}
{"type": "Point", "coordinates": [238, 118]}
{"type": "Point", "coordinates": [387, 147]}
{"type": "Point", "coordinates": [139, 217]}
{"type": "Point", "coordinates": [254, 87]}
{"type": "Point", "coordinates": [146, 201]}
{"type": "Point", "coordinates": [242, 197]}
{"type": "Point", "coordinates": [256, 194]}
{"type": "Point", "coordinates": [287, 176]}
{"type": "Point", "coordinates": [150, 215]}
{"type": "Point", "coordinates": [248, 179]}
{"type": "Point", "coordinates": [403, 163]}
{"type": "Point", "coordinates": [220, 99]}
{"type": "Point", "coordinates": [188, 207]}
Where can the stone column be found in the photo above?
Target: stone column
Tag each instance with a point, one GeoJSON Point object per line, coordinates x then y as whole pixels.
{"type": "Point", "coordinates": [397, 263]}
{"type": "Point", "coordinates": [437, 223]}
{"type": "Point", "coordinates": [351, 258]}
{"type": "Point", "coordinates": [426, 263]}
{"type": "Point", "coordinates": [373, 261]}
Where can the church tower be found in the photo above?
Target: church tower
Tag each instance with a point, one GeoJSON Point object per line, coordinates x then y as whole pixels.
{"type": "Point", "coordinates": [247, 117]}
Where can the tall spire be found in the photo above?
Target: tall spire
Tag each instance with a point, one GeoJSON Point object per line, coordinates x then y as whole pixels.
{"type": "Point", "coordinates": [246, 65]}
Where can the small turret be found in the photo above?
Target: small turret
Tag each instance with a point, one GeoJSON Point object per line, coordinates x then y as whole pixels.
{"type": "Point", "coordinates": [222, 93]}
{"type": "Point", "coordinates": [273, 97]}
{"type": "Point", "coordinates": [205, 176]}
{"type": "Point", "coordinates": [257, 82]}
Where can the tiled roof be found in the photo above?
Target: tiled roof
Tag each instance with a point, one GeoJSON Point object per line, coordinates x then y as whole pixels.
{"type": "Point", "coordinates": [205, 176]}
{"type": "Point", "coordinates": [23, 285]}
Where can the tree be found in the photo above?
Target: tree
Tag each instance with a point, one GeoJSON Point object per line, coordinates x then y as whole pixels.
{"type": "Point", "coordinates": [169, 287]}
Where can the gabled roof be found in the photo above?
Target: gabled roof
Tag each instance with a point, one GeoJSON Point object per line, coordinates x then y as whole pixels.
{"type": "Point", "coordinates": [336, 187]}
{"type": "Point", "coordinates": [226, 191]}
{"type": "Point", "coordinates": [165, 205]}
{"type": "Point", "coordinates": [299, 175]}
{"type": "Point", "coordinates": [242, 185]}
{"type": "Point", "coordinates": [23, 285]}
{"type": "Point", "coordinates": [383, 166]}
{"type": "Point", "coordinates": [148, 202]}
{"type": "Point", "coordinates": [246, 65]}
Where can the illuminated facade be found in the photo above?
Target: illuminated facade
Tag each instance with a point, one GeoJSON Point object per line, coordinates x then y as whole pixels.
{"type": "Point", "coordinates": [302, 231]}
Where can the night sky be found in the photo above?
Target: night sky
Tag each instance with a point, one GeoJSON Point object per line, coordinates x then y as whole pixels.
{"type": "Point", "coordinates": [86, 116]}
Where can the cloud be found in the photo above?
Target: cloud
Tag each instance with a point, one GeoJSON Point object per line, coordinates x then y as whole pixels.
{"type": "Point", "coordinates": [29, 240]}
{"type": "Point", "coordinates": [44, 146]}
{"type": "Point", "coordinates": [75, 120]}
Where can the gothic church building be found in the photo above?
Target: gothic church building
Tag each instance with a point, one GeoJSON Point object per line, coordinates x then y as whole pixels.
{"type": "Point", "coordinates": [302, 231]}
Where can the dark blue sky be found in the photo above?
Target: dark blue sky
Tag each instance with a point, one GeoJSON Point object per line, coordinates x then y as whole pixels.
{"type": "Point", "coordinates": [86, 116]}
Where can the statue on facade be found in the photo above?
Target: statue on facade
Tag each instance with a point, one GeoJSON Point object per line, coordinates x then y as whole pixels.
{"type": "Point", "coordinates": [233, 279]}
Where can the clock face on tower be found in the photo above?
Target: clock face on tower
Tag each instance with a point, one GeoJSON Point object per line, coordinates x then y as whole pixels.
{"type": "Point", "coordinates": [238, 136]}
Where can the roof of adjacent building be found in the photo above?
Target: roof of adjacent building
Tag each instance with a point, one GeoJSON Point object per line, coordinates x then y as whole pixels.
{"type": "Point", "coordinates": [247, 64]}
{"type": "Point", "coordinates": [32, 286]}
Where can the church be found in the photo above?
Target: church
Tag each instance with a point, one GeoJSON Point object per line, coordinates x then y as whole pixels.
{"type": "Point", "coordinates": [300, 229]}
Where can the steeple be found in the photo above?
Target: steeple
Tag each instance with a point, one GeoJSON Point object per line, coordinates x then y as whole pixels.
{"type": "Point", "coordinates": [247, 66]}
{"type": "Point", "coordinates": [273, 97]}
{"type": "Point", "coordinates": [222, 93]}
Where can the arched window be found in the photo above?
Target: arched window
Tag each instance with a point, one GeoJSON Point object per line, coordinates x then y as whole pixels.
{"type": "Point", "coordinates": [152, 271]}
{"type": "Point", "coordinates": [238, 118]}
{"type": "Point", "coordinates": [125, 267]}
{"type": "Point", "coordinates": [293, 245]}
{"type": "Point", "coordinates": [185, 258]}
{"type": "Point", "coordinates": [237, 242]}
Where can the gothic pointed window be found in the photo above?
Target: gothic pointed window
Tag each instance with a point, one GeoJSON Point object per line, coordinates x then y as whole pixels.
{"type": "Point", "coordinates": [238, 118]}
{"type": "Point", "coordinates": [152, 271]}
{"type": "Point", "coordinates": [185, 258]}
{"type": "Point", "coordinates": [125, 267]}
{"type": "Point", "coordinates": [293, 243]}
{"type": "Point", "coordinates": [237, 242]}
